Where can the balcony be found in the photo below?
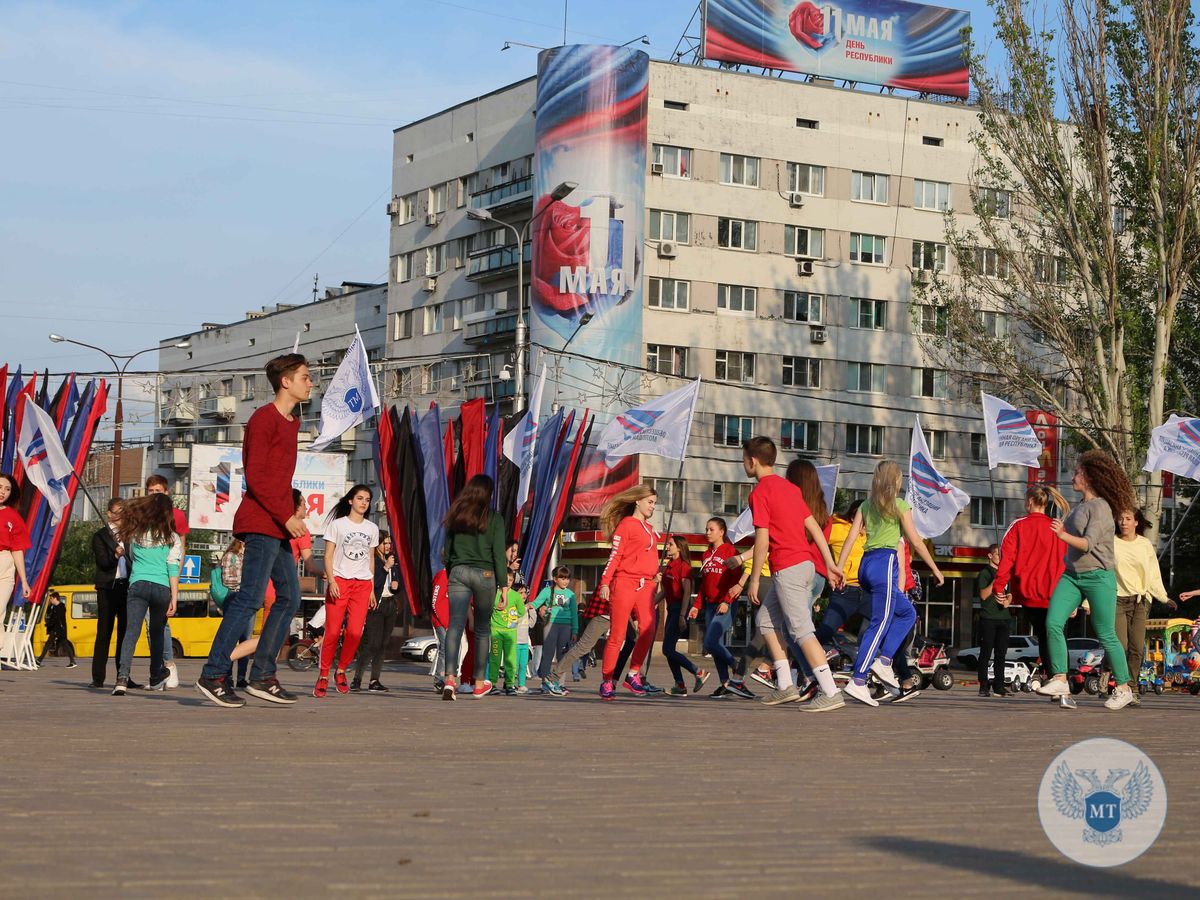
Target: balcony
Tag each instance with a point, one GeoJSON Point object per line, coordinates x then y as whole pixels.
{"type": "Point", "coordinates": [175, 457]}
{"type": "Point", "coordinates": [492, 330]}
{"type": "Point", "coordinates": [495, 262]}
{"type": "Point", "coordinates": [511, 193]}
{"type": "Point", "coordinates": [490, 389]}
{"type": "Point", "coordinates": [219, 407]}
{"type": "Point", "coordinates": [180, 413]}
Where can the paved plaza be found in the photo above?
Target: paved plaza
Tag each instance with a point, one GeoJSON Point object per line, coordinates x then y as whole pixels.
{"type": "Point", "coordinates": [163, 795]}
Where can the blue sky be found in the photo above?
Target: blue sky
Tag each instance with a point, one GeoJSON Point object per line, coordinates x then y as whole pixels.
{"type": "Point", "coordinates": [166, 163]}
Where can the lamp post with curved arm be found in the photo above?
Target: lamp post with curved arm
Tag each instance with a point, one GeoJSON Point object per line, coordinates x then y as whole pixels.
{"type": "Point", "coordinates": [119, 417]}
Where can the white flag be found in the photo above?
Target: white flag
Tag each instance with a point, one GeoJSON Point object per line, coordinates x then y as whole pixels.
{"type": "Point", "coordinates": [520, 443]}
{"type": "Point", "coordinates": [351, 396]}
{"type": "Point", "coordinates": [1010, 437]}
{"type": "Point", "coordinates": [660, 427]}
{"type": "Point", "coordinates": [44, 459]}
{"type": "Point", "coordinates": [743, 525]}
{"type": "Point", "coordinates": [935, 501]}
{"type": "Point", "coordinates": [1175, 447]}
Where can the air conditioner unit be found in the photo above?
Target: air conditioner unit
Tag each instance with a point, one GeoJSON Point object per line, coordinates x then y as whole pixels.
{"type": "Point", "coordinates": [818, 335]}
{"type": "Point", "coordinates": [656, 168]}
{"type": "Point", "coordinates": [666, 250]}
{"type": "Point", "coordinates": [804, 267]}
{"type": "Point", "coordinates": [920, 276]}
{"type": "Point", "coordinates": [394, 208]}
{"type": "Point", "coordinates": [431, 284]}
{"type": "Point", "coordinates": [431, 220]}
{"type": "Point", "coordinates": [796, 201]}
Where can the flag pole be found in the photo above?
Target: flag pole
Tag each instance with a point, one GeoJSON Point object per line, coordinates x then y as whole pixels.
{"type": "Point", "coordinates": [995, 520]}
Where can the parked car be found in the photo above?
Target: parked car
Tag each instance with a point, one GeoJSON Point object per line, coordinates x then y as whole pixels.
{"type": "Point", "coordinates": [1021, 648]}
{"type": "Point", "coordinates": [424, 647]}
{"type": "Point", "coordinates": [1077, 647]}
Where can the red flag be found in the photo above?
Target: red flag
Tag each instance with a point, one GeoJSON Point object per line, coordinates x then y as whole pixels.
{"type": "Point", "coordinates": [472, 417]}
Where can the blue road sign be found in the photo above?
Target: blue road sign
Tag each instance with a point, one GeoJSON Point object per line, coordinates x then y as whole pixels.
{"type": "Point", "coordinates": [190, 573]}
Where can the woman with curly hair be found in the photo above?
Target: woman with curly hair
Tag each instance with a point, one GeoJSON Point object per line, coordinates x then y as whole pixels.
{"type": "Point", "coordinates": [1090, 573]}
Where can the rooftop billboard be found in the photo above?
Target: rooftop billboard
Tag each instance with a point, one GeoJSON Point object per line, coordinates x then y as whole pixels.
{"type": "Point", "coordinates": [887, 42]}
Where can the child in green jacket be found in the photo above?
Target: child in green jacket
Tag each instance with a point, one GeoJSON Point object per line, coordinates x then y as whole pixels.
{"type": "Point", "coordinates": [508, 611]}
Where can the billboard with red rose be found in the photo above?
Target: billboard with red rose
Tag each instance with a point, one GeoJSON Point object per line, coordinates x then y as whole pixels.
{"type": "Point", "coordinates": [889, 42]}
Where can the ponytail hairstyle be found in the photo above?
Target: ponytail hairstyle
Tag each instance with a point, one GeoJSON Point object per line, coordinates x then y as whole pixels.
{"type": "Point", "coordinates": [803, 475]}
{"type": "Point", "coordinates": [622, 505]}
{"type": "Point", "coordinates": [681, 544]}
{"type": "Point", "coordinates": [1107, 480]}
{"type": "Point", "coordinates": [342, 507]}
{"type": "Point", "coordinates": [1042, 495]}
{"type": "Point", "coordinates": [150, 517]}
{"type": "Point", "coordinates": [885, 487]}
{"type": "Point", "coordinates": [471, 509]}
{"type": "Point", "coordinates": [720, 523]}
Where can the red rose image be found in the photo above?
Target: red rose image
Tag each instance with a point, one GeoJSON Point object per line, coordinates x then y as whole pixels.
{"type": "Point", "coordinates": [561, 237]}
{"type": "Point", "coordinates": [806, 21]}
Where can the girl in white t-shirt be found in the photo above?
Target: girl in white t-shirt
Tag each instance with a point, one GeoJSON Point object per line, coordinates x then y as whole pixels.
{"type": "Point", "coordinates": [350, 541]}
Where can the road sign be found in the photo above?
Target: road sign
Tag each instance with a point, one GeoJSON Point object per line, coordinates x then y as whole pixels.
{"type": "Point", "coordinates": [190, 572]}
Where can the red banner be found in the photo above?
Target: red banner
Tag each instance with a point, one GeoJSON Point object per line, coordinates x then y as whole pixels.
{"type": "Point", "coordinates": [1045, 426]}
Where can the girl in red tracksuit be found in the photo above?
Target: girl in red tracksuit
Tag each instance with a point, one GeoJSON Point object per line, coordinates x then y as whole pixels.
{"type": "Point", "coordinates": [629, 581]}
{"type": "Point", "coordinates": [1031, 561]}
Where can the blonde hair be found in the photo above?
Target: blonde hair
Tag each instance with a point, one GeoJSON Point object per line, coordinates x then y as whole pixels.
{"type": "Point", "coordinates": [885, 487]}
{"type": "Point", "coordinates": [622, 505]}
{"type": "Point", "coordinates": [1042, 495]}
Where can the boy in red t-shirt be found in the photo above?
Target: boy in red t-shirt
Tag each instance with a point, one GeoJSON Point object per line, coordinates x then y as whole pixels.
{"type": "Point", "coordinates": [266, 521]}
{"type": "Point", "coordinates": [783, 528]}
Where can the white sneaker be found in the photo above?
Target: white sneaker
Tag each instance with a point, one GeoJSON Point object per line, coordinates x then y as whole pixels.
{"type": "Point", "coordinates": [1055, 687]}
{"type": "Point", "coordinates": [859, 692]}
{"type": "Point", "coordinates": [885, 674]}
{"type": "Point", "coordinates": [1120, 698]}
{"type": "Point", "coordinates": [172, 675]}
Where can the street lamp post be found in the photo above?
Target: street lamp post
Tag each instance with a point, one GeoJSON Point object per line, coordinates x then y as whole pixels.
{"type": "Point", "coordinates": [119, 417]}
{"type": "Point", "coordinates": [520, 339]}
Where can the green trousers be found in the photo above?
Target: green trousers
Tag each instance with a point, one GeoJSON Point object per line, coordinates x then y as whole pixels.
{"type": "Point", "coordinates": [1099, 587]}
{"type": "Point", "coordinates": [504, 650]}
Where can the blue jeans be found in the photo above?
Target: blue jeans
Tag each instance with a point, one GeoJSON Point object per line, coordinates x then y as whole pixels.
{"type": "Point", "coordinates": [842, 605]}
{"type": "Point", "coordinates": [145, 597]}
{"type": "Point", "coordinates": [469, 583]}
{"type": "Point", "coordinates": [715, 626]}
{"type": "Point", "coordinates": [671, 634]}
{"type": "Point", "coordinates": [266, 559]}
{"type": "Point", "coordinates": [555, 644]}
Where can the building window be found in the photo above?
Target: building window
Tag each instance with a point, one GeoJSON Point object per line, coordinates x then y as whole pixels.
{"type": "Point", "coordinates": [670, 226]}
{"type": "Point", "coordinates": [404, 266]}
{"type": "Point", "coordinates": [800, 436]}
{"type": "Point", "coordinates": [929, 141]}
{"type": "Point", "coordinates": [435, 259]}
{"type": "Point", "coordinates": [930, 383]}
{"type": "Point", "coordinates": [463, 249]}
{"type": "Point", "coordinates": [994, 202]}
{"type": "Point", "coordinates": [735, 366]}
{"type": "Point", "coordinates": [805, 308]}
{"type": "Point", "coordinates": [737, 234]}
{"type": "Point", "coordinates": [868, 187]}
{"type": "Point", "coordinates": [808, 123]}
{"type": "Point", "coordinates": [931, 195]}
{"type": "Point", "coordinates": [667, 293]}
{"type": "Point", "coordinates": [732, 431]}
{"type": "Point", "coordinates": [867, 378]}
{"type": "Point", "coordinates": [402, 328]}
{"type": "Point", "coordinates": [801, 371]}
{"type": "Point", "coordinates": [249, 386]}
{"type": "Point", "coordinates": [739, 170]}
{"type": "Point", "coordinates": [989, 263]}
{"type": "Point", "coordinates": [676, 161]}
{"type": "Point", "coordinates": [929, 256]}
{"type": "Point", "coordinates": [434, 319]}
{"type": "Point", "coordinates": [408, 208]}
{"type": "Point", "coordinates": [667, 360]}
{"type": "Point", "coordinates": [437, 199]}
{"type": "Point", "coordinates": [864, 440]}
{"type": "Point", "coordinates": [729, 498]}
{"type": "Point", "coordinates": [1049, 269]}
{"type": "Point", "coordinates": [675, 104]}
{"type": "Point", "coordinates": [670, 493]}
{"type": "Point", "coordinates": [807, 242]}
{"type": "Point", "coordinates": [869, 314]}
{"type": "Point", "coordinates": [937, 443]}
{"type": "Point", "coordinates": [932, 319]}
{"type": "Point", "coordinates": [867, 248]}
{"type": "Point", "coordinates": [979, 448]}
{"type": "Point", "coordinates": [736, 298]}
{"type": "Point", "coordinates": [987, 512]}
{"type": "Point", "coordinates": [994, 324]}
{"type": "Point", "coordinates": [804, 178]}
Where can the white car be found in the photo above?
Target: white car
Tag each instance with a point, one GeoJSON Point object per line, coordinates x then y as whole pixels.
{"type": "Point", "coordinates": [1021, 648]}
{"type": "Point", "coordinates": [424, 647]}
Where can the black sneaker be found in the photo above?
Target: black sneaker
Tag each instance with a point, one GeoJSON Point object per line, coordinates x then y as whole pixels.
{"type": "Point", "coordinates": [984, 692]}
{"type": "Point", "coordinates": [906, 693]}
{"type": "Point", "coordinates": [356, 685]}
{"type": "Point", "coordinates": [243, 684]}
{"type": "Point", "coordinates": [810, 691]}
{"type": "Point", "coordinates": [269, 689]}
{"type": "Point", "coordinates": [119, 689]}
{"type": "Point", "coordinates": [134, 686]}
{"type": "Point", "coordinates": [216, 690]}
{"type": "Point", "coordinates": [738, 689]}
{"type": "Point", "coordinates": [98, 684]}
{"type": "Point", "coordinates": [721, 693]}
{"type": "Point", "coordinates": [376, 688]}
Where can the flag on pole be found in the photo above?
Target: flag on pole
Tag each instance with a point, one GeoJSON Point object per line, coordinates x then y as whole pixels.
{"type": "Point", "coordinates": [743, 526]}
{"type": "Point", "coordinates": [351, 396]}
{"type": "Point", "coordinates": [661, 427]}
{"type": "Point", "coordinates": [935, 501]}
{"type": "Point", "coordinates": [44, 459]}
{"type": "Point", "coordinates": [520, 443]}
{"type": "Point", "coordinates": [1010, 437]}
{"type": "Point", "coordinates": [1175, 447]}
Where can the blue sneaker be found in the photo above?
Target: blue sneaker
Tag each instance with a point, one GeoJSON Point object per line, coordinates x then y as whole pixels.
{"type": "Point", "coordinates": [607, 691]}
{"type": "Point", "coordinates": [633, 682]}
{"type": "Point", "coordinates": [554, 687]}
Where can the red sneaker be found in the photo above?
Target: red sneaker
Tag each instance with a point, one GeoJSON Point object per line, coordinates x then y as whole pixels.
{"type": "Point", "coordinates": [321, 688]}
{"type": "Point", "coordinates": [482, 689]}
{"type": "Point", "coordinates": [449, 688]}
{"type": "Point", "coordinates": [343, 686]}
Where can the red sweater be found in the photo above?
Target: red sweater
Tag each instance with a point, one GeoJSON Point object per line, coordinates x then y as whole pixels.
{"type": "Point", "coordinates": [269, 461]}
{"type": "Point", "coordinates": [1031, 561]}
{"type": "Point", "coordinates": [677, 572]}
{"type": "Point", "coordinates": [716, 580]}
{"type": "Point", "coordinates": [634, 551]}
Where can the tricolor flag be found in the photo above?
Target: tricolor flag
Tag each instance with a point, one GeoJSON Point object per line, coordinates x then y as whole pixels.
{"type": "Point", "coordinates": [1010, 437]}
{"type": "Point", "coordinates": [661, 427]}
{"type": "Point", "coordinates": [1175, 447]}
{"type": "Point", "coordinates": [520, 443]}
{"type": "Point", "coordinates": [351, 396]}
{"type": "Point", "coordinates": [935, 501]}
{"type": "Point", "coordinates": [44, 459]}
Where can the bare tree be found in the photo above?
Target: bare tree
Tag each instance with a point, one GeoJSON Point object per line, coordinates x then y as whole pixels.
{"type": "Point", "coordinates": [1083, 234]}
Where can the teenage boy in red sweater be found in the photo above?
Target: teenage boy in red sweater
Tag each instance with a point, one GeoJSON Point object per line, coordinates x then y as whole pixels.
{"type": "Point", "coordinates": [266, 521]}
